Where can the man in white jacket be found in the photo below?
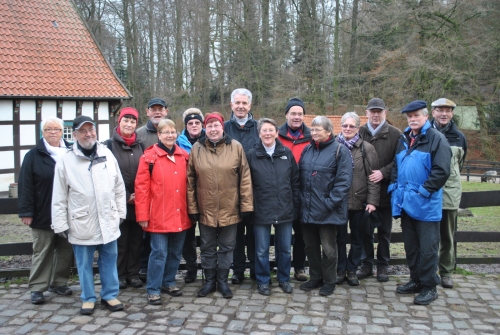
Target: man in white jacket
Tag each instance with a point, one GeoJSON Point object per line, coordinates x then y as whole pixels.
{"type": "Point", "coordinates": [88, 205]}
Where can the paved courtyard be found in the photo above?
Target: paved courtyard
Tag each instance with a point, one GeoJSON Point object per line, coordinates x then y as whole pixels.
{"type": "Point", "coordinates": [472, 307]}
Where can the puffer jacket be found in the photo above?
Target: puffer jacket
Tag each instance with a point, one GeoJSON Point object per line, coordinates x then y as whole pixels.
{"type": "Point", "coordinates": [419, 173]}
{"type": "Point", "coordinates": [385, 143]}
{"type": "Point", "coordinates": [298, 145]}
{"type": "Point", "coordinates": [35, 186]}
{"type": "Point", "coordinates": [246, 135]}
{"type": "Point", "coordinates": [219, 182]}
{"type": "Point", "coordinates": [325, 179]}
{"type": "Point", "coordinates": [160, 191]}
{"type": "Point", "coordinates": [363, 191]}
{"type": "Point", "coordinates": [452, 191]}
{"type": "Point", "coordinates": [88, 197]}
{"type": "Point", "coordinates": [275, 181]}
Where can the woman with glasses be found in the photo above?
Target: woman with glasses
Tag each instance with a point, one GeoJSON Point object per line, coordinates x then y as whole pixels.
{"type": "Point", "coordinates": [219, 196]}
{"type": "Point", "coordinates": [161, 209]}
{"type": "Point", "coordinates": [52, 254]}
{"type": "Point", "coordinates": [363, 197]}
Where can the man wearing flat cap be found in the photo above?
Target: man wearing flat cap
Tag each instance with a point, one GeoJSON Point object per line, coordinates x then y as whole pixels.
{"type": "Point", "coordinates": [442, 111]}
{"type": "Point", "coordinates": [295, 135]}
{"type": "Point", "coordinates": [421, 168]}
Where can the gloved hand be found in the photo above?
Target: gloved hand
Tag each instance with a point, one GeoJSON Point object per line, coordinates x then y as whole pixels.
{"type": "Point", "coordinates": [246, 214]}
{"type": "Point", "coordinates": [64, 234]}
{"type": "Point", "coordinates": [194, 217]}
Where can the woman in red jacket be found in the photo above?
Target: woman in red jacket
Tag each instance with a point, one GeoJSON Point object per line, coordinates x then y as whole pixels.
{"type": "Point", "coordinates": [161, 209]}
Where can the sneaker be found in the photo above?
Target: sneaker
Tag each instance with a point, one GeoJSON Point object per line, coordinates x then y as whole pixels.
{"type": "Point", "coordinates": [190, 276]}
{"type": "Point", "coordinates": [311, 284]}
{"type": "Point", "coordinates": [135, 282]}
{"type": "Point", "coordinates": [154, 299]}
{"type": "Point", "coordinates": [341, 278]}
{"type": "Point", "coordinates": [382, 274]}
{"type": "Point", "coordinates": [37, 298]}
{"type": "Point", "coordinates": [426, 296]}
{"type": "Point", "coordinates": [446, 282]}
{"type": "Point", "coordinates": [264, 289]}
{"type": "Point", "coordinates": [352, 279]}
{"type": "Point", "coordinates": [300, 275]}
{"type": "Point", "coordinates": [285, 286]}
{"type": "Point", "coordinates": [409, 288]}
{"type": "Point", "coordinates": [364, 271]}
{"type": "Point", "coordinates": [61, 290]}
{"type": "Point", "coordinates": [174, 291]}
{"type": "Point", "coordinates": [327, 289]}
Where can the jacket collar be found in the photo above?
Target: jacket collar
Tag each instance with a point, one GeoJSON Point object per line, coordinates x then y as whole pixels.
{"type": "Point", "coordinates": [323, 145]}
{"type": "Point", "coordinates": [226, 139]}
{"type": "Point", "coordinates": [249, 124]}
{"type": "Point", "coordinates": [261, 152]}
{"type": "Point", "coordinates": [306, 132]}
{"type": "Point", "coordinates": [423, 131]}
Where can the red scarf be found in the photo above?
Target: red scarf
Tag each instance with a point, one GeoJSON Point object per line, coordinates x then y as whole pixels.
{"type": "Point", "coordinates": [128, 140]}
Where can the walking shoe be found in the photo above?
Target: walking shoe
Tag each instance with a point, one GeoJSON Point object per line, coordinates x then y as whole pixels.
{"type": "Point", "coordinates": [285, 286]}
{"type": "Point", "coordinates": [37, 298]}
{"type": "Point", "coordinates": [87, 308]}
{"type": "Point", "coordinates": [409, 288]}
{"type": "Point", "coordinates": [327, 289]}
{"type": "Point", "coordinates": [364, 271]}
{"type": "Point", "coordinates": [300, 275]}
{"type": "Point", "coordinates": [190, 276]}
{"type": "Point", "coordinates": [154, 299]}
{"type": "Point", "coordinates": [122, 284]}
{"type": "Point", "coordinates": [426, 296]}
{"type": "Point", "coordinates": [113, 305]}
{"type": "Point", "coordinates": [143, 274]}
{"type": "Point", "coordinates": [352, 279]}
{"type": "Point", "coordinates": [174, 291]}
{"type": "Point", "coordinates": [135, 282]}
{"type": "Point", "coordinates": [382, 274]}
{"type": "Point", "coordinates": [61, 290]}
{"type": "Point", "coordinates": [311, 284]}
{"type": "Point", "coordinates": [341, 278]}
{"type": "Point", "coordinates": [264, 289]}
{"type": "Point", "coordinates": [237, 278]}
{"type": "Point", "coordinates": [446, 282]}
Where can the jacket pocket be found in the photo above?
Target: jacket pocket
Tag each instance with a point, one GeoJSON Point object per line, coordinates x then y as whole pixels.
{"type": "Point", "coordinates": [81, 227]}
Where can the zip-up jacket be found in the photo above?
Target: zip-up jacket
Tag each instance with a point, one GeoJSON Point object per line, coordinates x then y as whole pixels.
{"type": "Point", "coordinates": [246, 135]}
{"type": "Point", "coordinates": [297, 145]}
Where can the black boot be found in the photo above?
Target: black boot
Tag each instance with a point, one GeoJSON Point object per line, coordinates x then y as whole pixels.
{"type": "Point", "coordinates": [222, 285]}
{"type": "Point", "coordinates": [209, 285]}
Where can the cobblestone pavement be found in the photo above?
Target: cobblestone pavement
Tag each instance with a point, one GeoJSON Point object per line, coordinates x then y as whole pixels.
{"type": "Point", "coordinates": [472, 307]}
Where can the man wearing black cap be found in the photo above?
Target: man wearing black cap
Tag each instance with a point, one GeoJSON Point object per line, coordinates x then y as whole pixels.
{"type": "Point", "coordinates": [156, 111]}
{"type": "Point", "coordinates": [295, 135]}
{"type": "Point", "coordinates": [384, 137]}
{"type": "Point", "coordinates": [421, 168]}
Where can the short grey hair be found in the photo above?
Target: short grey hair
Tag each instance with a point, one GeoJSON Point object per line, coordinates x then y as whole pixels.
{"type": "Point", "coordinates": [263, 120]}
{"type": "Point", "coordinates": [242, 91]}
{"type": "Point", "coordinates": [53, 119]}
{"type": "Point", "coordinates": [350, 115]}
{"type": "Point", "coordinates": [425, 112]}
{"type": "Point", "coordinates": [323, 122]}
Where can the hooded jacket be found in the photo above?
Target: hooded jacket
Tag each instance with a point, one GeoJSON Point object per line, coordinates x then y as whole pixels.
{"type": "Point", "coordinates": [419, 173]}
{"type": "Point", "coordinates": [183, 142]}
{"type": "Point", "coordinates": [298, 145]}
{"type": "Point", "coordinates": [219, 182]}
{"type": "Point", "coordinates": [275, 181]}
{"type": "Point", "coordinates": [147, 134]}
{"type": "Point", "coordinates": [246, 135]}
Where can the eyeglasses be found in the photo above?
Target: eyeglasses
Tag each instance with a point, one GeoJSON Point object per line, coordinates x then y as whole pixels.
{"type": "Point", "coordinates": [88, 131]}
{"type": "Point", "coordinates": [350, 126]}
{"type": "Point", "coordinates": [443, 111]}
{"type": "Point", "coordinates": [194, 123]}
{"type": "Point", "coordinates": [214, 125]}
{"type": "Point", "coordinates": [317, 130]}
{"type": "Point", "coordinates": [169, 133]}
{"type": "Point", "coordinates": [52, 130]}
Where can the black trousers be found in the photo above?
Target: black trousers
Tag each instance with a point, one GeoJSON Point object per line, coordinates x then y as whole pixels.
{"type": "Point", "coordinates": [189, 249]}
{"type": "Point", "coordinates": [299, 253]}
{"type": "Point", "coordinates": [352, 261]}
{"type": "Point", "coordinates": [384, 241]}
{"type": "Point", "coordinates": [129, 250]}
{"type": "Point", "coordinates": [239, 258]}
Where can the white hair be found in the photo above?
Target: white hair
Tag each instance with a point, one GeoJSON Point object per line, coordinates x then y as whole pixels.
{"type": "Point", "coordinates": [242, 91]}
{"type": "Point", "coordinates": [53, 119]}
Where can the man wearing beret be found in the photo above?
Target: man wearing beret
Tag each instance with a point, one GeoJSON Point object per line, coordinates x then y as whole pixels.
{"type": "Point", "coordinates": [421, 168]}
{"type": "Point", "coordinates": [295, 135]}
{"type": "Point", "coordinates": [442, 111]}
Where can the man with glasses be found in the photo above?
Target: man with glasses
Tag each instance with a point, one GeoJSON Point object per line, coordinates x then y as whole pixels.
{"type": "Point", "coordinates": [295, 135]}
{"type": "Point", "coordinates": [442, 111]}
{"type": "Point", "coordinates": [157, 110]}
{"type": "Point", "coordinates": [384, 137]}
{"type": "Point", "coordinates": [88, 205]}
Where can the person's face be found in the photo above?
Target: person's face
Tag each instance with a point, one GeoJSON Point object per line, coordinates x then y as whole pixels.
{"type": "Point", "coordinates": [167, 136]}
{"type": "Point", "coordinates": [268, 134]}
{"type": "Point", "coordinates": [52, 133]}
{"type": "Point", "coordinates": [349, 128]}
{"type": "Point", "coordinates": [241, 106]}
{"type": "Point", "coordinates": [376, 116]}
{"type": "Point", "coordinates": [156, 113]}
{"type": "Point", "coordinates": [416, 120]}
{"type": "Point", "coordinates": [194, 128]}
{"type": "Point", "coordinates": [295, 117]}
{"type": "Point", "coordinates": [86, 135]}
{"type": "Point", "coordinates": [442, 115]}
{"type": "Point", "coordinates": [127, 126]}
{"type": "Point", "coordinates": [319, 134]}
{"type": "Point", "coordinates": [214, 131]}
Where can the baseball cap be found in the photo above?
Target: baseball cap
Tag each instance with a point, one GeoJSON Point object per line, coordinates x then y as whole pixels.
{"type": "Point", "coordinates": [157, 101]}
{"type": "Point", "coordinates": [79, 121]}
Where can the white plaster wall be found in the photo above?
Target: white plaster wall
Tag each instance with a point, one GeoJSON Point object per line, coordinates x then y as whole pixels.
{"type": "Point", "coordinates": [27, 110]}
{"type": "Point", "coordinates": [103, 111]}
{"type": "Point", "coordinates": [49, 108]}
{"type": "Point", "coordinates": [88, 109]}
{"type": "Point", "coordinates": [28, 134]}
{"type": "Point", "coordinates": [6, 110]}
{"type": "Point", "coordinates": [68, 110]}
{"type": "Point", "coordinates": [103, 133]}
{"type": "Point", "coordinates": [7, 132]}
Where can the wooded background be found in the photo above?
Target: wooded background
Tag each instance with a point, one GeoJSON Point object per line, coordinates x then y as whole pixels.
{"type": "Point", "coordinates": [332, 54]}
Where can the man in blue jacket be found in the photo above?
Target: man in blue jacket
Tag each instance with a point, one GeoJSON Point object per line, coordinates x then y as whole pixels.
{"type": "Point", "coordinates": [421, 168]}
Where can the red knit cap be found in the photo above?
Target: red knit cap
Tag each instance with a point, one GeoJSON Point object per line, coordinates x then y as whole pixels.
{"type": "Point", "coordinates": [128, 111]}
{"type": "Point", "coordinates": [214, 115]}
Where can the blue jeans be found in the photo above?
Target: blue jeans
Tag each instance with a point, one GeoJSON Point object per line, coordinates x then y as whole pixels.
{"type": "Point", "coordinates": [282, 245]}
{"type": "Point", "coordinates": [166, 252]}
{"type": "Point", "coordinates": [106, 262]}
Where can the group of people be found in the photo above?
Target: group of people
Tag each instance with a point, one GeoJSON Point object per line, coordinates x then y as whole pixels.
{"type": "Point", "coordinates": [137, 198]}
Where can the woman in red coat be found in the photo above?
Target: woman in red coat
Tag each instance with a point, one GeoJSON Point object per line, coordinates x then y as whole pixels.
{"type": "Point", "coordinates": [161, 209]}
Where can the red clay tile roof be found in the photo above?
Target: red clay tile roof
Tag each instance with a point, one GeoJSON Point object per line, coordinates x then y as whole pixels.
{"type": "Point", "coordinates": [38, 59]}
{"type": "Point", "coordinates": [335, 120]}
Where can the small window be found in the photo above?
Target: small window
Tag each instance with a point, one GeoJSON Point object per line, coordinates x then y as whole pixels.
{"type": "Point", "coordinates": [68, 132]}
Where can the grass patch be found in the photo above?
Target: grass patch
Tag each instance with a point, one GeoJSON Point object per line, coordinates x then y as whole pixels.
{"type": "Point", "coordinates": [463, 272]}
{"type": "Point", "coordinates": [471, 186]}
{"type": "Point", "coordinates": [17, 281]}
